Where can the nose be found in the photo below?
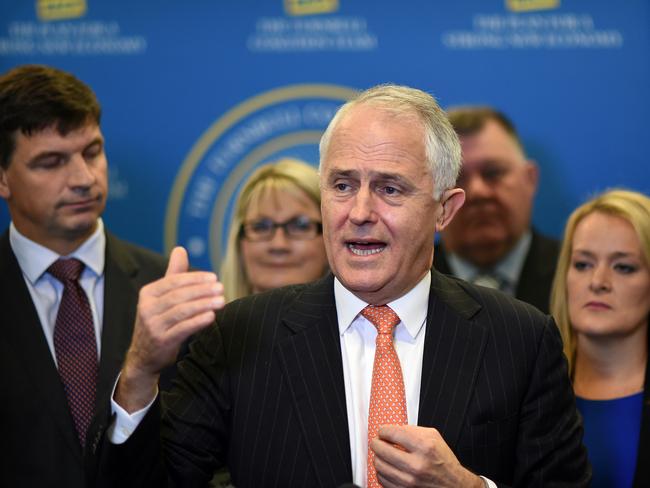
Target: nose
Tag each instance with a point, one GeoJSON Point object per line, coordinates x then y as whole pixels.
{"type": "Point", "coordinates": [81, 175]}
{"type": "Point", "coordinates": [476, 187]}
{"type": "Point", "coordinates": [280, 241]}
{"type": "Point", "coordinates": [600, 279]}
{"type": "Point", "coordinates": [362, 210]}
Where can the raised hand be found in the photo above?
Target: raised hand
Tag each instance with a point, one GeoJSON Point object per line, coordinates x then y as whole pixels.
{"type": "Point", "coordinates": [169, 311]}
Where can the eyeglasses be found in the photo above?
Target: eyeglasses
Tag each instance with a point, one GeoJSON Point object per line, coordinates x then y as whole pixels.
{"type": "Point", "coordinates": [298, 228]}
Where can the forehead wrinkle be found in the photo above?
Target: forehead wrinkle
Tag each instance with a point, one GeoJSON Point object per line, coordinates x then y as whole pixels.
{"type": "Point", "coordinates": [68, 150]}
{"type": "Point", "coordinates": [382, 151]}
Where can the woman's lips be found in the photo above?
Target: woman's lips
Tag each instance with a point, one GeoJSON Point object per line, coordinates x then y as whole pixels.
{"type": "Point", "coordinates": [598, 306]}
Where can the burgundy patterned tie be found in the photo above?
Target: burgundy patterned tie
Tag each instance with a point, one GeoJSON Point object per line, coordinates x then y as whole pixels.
{"type": "Point", "coordinates": [75, 345]}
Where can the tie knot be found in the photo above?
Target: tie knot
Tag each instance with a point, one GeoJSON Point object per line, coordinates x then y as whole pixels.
{"type": "Point", "coordinates": [383, 317]}
{"type": "Point", "coordinates": [66, 269]}
{"type": "Point", "coordinates": [488, 279]}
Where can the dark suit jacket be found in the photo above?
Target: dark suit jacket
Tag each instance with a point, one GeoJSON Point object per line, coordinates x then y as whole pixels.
{"type": "Point", "coordinates": [536, 276]}
{"type": "Point", "coordinates": [40, 444]}
{"type": "Point", "coordinates": [264, 393]}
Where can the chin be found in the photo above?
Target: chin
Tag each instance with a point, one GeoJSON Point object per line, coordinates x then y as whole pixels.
{"type": "Point", "coordinates": [365, 286]}
{"type": "Point", "coordinates": [81, 227]}
{"type": "Point", "coordinates": [488, 239]}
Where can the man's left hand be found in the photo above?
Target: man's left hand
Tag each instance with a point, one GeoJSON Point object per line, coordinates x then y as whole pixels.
{"type": "Point", "coordinates": [408, 455]}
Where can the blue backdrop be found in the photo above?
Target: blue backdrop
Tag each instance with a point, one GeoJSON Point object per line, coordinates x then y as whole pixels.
{"type": "Point", "coordinates": [196, 94]}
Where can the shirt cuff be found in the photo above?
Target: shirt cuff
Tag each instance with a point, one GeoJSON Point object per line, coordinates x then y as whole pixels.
{"type": "Point", "coordinates": [123, 423]}
{"type": "Point", "coordinates": [488, 483]}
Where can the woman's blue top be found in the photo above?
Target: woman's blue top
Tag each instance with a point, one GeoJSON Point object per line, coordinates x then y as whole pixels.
{"type": "Point", "coordinates": [612, 438]}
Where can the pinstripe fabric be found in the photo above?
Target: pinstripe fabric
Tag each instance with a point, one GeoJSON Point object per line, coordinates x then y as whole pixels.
{"type": "Point", "coordinates": [263, 392]}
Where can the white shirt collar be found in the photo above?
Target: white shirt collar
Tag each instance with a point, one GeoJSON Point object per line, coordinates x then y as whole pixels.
{"type": "Point", "coordinates": [508, 268]}
{"type": "Point", "coordinates": [411, 307]}
{"type": "Point", "coordinates": [34, 259]}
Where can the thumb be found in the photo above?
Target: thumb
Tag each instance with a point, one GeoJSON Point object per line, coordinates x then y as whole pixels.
{"type": "Point", "coordinates": [178, 261]}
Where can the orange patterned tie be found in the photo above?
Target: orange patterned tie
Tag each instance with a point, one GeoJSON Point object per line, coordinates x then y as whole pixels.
{"type": "Point", "coordinates": [387, 398]}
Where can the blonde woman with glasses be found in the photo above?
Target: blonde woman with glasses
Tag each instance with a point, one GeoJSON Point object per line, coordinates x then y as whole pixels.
{"type": "Point", "coordinates": [275, 237]}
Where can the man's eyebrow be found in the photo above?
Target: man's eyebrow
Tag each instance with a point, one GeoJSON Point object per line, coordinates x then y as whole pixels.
{"type": "Point", "coordinates": [391, 178]}
{"type": "Point", "coordinates": [388, 176]}
{"type": "Point", "coordinates": [342, 173]}
{"type": "Point", "coordinates": [96, 140]}
{"type": "Point", "coordinates": [374, 175]}
{"type": "Point", "coordinates": [99, 140]}
{"type": "Point", "coordinates": [489, 162]}
{"type": "Point", "coordinates": [44, 155]}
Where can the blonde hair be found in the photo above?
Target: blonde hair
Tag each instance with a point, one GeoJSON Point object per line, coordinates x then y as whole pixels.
{"type": "Point", "coordinates": [440, 141]}
{"type": "Point", "coordinates": [284, 175]}
{"type": "Point", "coordinates": [631, 206]}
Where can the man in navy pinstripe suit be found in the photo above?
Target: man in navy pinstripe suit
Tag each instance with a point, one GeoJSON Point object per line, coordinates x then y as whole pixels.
{"type": "Point", "coordinates": [279, 390]}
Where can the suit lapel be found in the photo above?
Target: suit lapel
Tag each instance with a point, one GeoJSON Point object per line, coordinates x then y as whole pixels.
{"type": "Point", "coordinates": [120, 300]}
{"type": "Point", "coordinates": [536, 275]}
{"type": "Point", "coordinates": [452, 355]}
{"type": "Point", "coordinates": [311, 359]}
{"type": "Point", "coordinates": [440, 262]}
{"type": "Point", "coordinates": [24, 332]}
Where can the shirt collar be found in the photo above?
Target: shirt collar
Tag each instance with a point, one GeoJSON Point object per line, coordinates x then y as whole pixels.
{"type": "Point", "coordinates": [411, 307]}
{"type": "Point", "coordinates": [508, 268]}
{"type": "Point", "coordinates": [34, 259]}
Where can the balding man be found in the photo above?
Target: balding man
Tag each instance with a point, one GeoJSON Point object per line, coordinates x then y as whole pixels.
{"type": "Point", "coordinates": [491, 242]}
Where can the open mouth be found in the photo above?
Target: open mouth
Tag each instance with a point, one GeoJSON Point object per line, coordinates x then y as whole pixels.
{"type": "Point", "coordinates": [361, 248]}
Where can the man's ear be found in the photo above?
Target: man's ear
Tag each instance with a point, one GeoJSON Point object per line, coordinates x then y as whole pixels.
{"type": "Point", "coordinates": [532, 173]}
{"type": "Point", "coordinates": [450, 203]}
{"type": "Point", "coordinates": [4, 184]}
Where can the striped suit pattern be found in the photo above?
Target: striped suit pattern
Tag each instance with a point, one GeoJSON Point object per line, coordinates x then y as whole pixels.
{"type": "Point", "coordinates": [263, 392]}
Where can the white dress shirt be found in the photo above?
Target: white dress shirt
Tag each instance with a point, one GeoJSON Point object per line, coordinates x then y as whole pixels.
{"type": "Point", "coordinates": [358, 337]}
{"type": "Point", "coordinates": [46, 291]}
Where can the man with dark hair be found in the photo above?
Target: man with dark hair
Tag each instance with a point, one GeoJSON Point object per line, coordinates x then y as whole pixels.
{"type": "Point", "coordinates": [491, 241]}
{"type": "Point", "coordinates": [68, 288]}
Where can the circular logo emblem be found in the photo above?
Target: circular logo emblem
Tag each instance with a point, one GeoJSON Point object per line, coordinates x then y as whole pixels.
{"type": "Point", "coordinates": [285, 122]}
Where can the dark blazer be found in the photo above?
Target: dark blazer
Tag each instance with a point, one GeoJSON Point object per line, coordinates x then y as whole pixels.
{"type": "Point", "coordinates": [536, 276]}
{"type": "Point", "coordinates": [263, 392]}
{"type": "Point", "coordinates": [40, 444]}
